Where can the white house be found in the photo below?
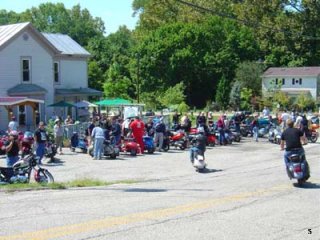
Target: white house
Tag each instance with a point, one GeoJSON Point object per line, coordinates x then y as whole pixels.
{"type": "Point", "coordinates": [38, 69]}
{"type": "Point", "coordinates": [294, 80]}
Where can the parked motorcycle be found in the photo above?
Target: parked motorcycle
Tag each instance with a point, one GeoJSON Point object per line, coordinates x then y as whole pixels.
{"type": "Point", "coordinates": [27, 143]}
{"type": "Point", "coordinates": [50, 150]}
{"type": "Point", "coordinates": [148, 144]}
{"type": "Point", "coordinates": [21, 171]}
{"type": "Point", "coordinates": [245, 130]}
{"type": "Point", "coordinates": [312, 136]}
{"type": "Point", "coordinates": [129, 145]}
{"type": "Point", "coordinates": [80, 143]}
{"type": "Point", "coordinates": [297, 168]}
{"type": "Point", "coordinates": [179, 140]}
{"type": "Point", "coordinates": [109, 149]}
{"type": "Point", "coordinates": [274, 135]}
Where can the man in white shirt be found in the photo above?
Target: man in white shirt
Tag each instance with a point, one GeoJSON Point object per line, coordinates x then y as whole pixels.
{"type": "Point", "coordinates": [13, 124]}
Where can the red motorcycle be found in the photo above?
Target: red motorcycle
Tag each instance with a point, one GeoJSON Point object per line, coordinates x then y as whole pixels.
{"type": "Point", "coordinates": [211, 136]}
{"type": "Point", "coordinates": [129, 145]}
{"type": "Point", "coordinates": [179, 140]}
{"type": "Point", "coordinates": [27, 143]}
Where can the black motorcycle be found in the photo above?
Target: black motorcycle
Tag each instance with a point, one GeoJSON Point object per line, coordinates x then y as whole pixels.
{"type": "Point", "coordinates": [21, 171]}
{"type": "Point", "coordinates": [50, 150]}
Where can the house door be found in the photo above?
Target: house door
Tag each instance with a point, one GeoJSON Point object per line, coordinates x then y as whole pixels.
{"type": "Point", "coordinates": [22, 115]}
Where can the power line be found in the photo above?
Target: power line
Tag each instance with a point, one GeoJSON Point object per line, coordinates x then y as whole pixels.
{"type": "Point", "coordinates": [245, 22]}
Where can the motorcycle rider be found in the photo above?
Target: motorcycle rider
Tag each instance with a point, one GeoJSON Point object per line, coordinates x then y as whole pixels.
{"type": "Point", "coordinates": [12, 148]}
{"type": "Point", "coordinates": [199, 144]}
{"type": "Point", "coordinates": [292, 138]}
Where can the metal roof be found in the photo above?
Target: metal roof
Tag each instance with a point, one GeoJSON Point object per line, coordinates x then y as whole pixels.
{"type": "Point", "coordinates": [9, 101]}
{"type": "Point", "coordinates": [26, 89]}
{"type": "Point", "coordinates": [8, 31]}
{"type": "Point", "coordinates": [65, 44]}
{"type": "Point", "coordinates": [292, 72]}
{"type": "Point", "coordinates": [77, 92]}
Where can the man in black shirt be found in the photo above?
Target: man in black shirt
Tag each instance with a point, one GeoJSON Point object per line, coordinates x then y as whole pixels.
{"type": "Point", "coordinates": [41, 138]}
{"type": "Point", "coordinates": [292, 138]}
{"type": "Point", "coordinates": [12, 149]}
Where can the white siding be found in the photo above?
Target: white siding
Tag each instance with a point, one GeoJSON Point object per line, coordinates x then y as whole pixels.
{"type": "Point", "coordinates": [41, 66]}
{"type": "Point", "coordinates": [73, 74]}
{"type": "Point", "coordinates": [308, 83]}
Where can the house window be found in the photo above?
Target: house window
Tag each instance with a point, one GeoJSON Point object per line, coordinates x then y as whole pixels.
{"type": "Point", "coordinates": [293, 81]}
{"type": "Point", "coordinates": [56, 70]}
{"type": "Point", "coordinates": [276, 81]}
{"type": "Point", "coordinates": [26, 70]}
{"type": "Point", "coordinates": [300, 81]}
{"type": "Point", "coordinates": [283, 81]}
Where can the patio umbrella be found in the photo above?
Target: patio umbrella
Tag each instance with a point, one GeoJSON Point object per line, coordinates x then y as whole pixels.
{"type": "Point", "coordinates": [61, 104]}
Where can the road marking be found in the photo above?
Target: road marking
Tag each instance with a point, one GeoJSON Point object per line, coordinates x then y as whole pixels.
{"type": "Point", "coordinates": [94, 225]}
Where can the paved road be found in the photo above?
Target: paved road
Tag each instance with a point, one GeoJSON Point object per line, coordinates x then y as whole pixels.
{"type": "Point", "coordinates": [244, 195]}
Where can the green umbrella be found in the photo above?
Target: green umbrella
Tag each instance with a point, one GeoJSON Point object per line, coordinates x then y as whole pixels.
{"type": "Point", "coordinates": [113, 102]}
{"type": "Point", "coordinates": [61, 104]}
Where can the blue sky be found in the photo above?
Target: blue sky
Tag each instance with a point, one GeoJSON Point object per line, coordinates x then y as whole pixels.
{"type": "Point", "coordinates": [114, 13]}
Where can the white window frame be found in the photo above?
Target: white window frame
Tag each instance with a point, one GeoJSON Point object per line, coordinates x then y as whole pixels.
{"type": "Point", "coordinates": [54, 73]}
{"type": "Point", "coordinates": [25, 114]}
{"type": "Point", "coordinates": [22, 70]}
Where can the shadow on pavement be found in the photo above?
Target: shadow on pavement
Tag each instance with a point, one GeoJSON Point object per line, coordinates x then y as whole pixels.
{"type": "Point", "coordinates": [308, 185]}
{"type": "Point", "coordinates": [208, 170]}
{"type": "Point", "coordinates": [145, 190]}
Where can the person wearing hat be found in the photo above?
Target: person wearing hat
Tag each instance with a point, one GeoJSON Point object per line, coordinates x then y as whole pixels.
{"type": "Point", "coordinates": [13, 124]}
{"type": "Point", "coordinates": [12, 148]}
{"type": "Point", "coordinates": [58, 134]}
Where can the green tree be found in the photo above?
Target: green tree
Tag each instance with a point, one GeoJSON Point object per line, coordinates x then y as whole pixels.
{"type": "Point", "coordinates": [249, 75]}
{"type": "Point", "coordinates": [282, 98]}
{"type": "Point", "coordinates": [246, 97]}
{"type": "Point", "coordinates": [222, 95]}
{"type": "Point", "coordinates": [235, 95]}
{"type": "Point", "coordinates": [304, 102]}
{"type": "Point", "coordinates": [173, 95]}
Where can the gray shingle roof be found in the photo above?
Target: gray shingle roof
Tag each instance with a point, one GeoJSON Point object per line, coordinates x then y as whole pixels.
{"type": "Point", "coordinates": [292, 72]}
{"type": "Point", "coordinates": [66, 44]}
{"type": "Point", "coordinates": [26, 89]}
{"type": "Point", "coordinates": [77, 91]}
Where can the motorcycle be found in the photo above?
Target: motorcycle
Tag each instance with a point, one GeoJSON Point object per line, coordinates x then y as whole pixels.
{"type": "Point", "coordinates": [274, 135]}
{"type": "Point", "coordinates": [210, 134]}
{"type": "Point", "coordinates": [21, 171]}
{"type": "Point", "coordinates": [109, 149]}
{"type": "Point", "coordinates": [245, 130]}
{"type": "Point", "coordinates": [27, 143]}
{"type": "Point", "coordinates": [198, 161]}
{"type": "Point", "coordinates": [148, 144]}
{"type": "Point", "coordinates": [80, 143]}
{"type": "Point", "coordinates": [50, 150]}
{"type": "Point", "coordinates": [298, 168]}
{"type": "Point", "coordinates": [3, 140]}
{"type": "Point", "coordinates": [130, 145]}
{"type": "Point", "coordinates": [179, 140]}
{"type": "Point", "coordinates": [312, 136]}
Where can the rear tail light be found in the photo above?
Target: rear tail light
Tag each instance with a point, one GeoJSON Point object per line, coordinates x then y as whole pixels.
{"type": "Point", "coordinates": [297, 169]}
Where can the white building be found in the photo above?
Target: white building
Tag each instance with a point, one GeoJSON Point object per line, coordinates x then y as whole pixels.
{"type": "Point", "coordinates": [294, 81]}
{"type": "Point", "coordinates": [43, 68]}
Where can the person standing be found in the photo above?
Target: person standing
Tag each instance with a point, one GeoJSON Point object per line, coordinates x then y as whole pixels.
{"type": "Point", "coordinates": [13, 124]}
{"type": "Point", "coordinates": [12, 148]}
{"type": "Point", "coordinates": [255, 128]}
{"type": "Point", "coordinates": [137, 127]}
{"type": "Point", "coordinates": [160, 130]}
{"type": "Point", "coordinates": [41, 138]}
{"type": "Point", "coordinates": [221, 126]}
{"type": "Point", "coordinates": [116, 130]}
{"type": "Point", "coordinates": [98, 136]}
{"type": "Point", "coordinates": [58, 135]}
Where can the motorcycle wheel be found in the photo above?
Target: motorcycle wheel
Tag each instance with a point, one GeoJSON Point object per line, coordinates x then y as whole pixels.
{"type": "Point", "coordinates": [151, 150]}
{"type": "Point", "coordinates": [313, 139]}
{"type": "Point", "coordinates": [166, 148]}
{"type": "Point", "coordinates": [91, 152]}
{"type": "Point", "coordinates": [133, 152]}
{"type": "Point", "coordinates": [84, 150]}
{"type": "Point", "coordinates": [45, 176]}
{"type": "Point", "coordinates": [212, 144]}
{"type": "Point", "coordinates": [182, 147]}
{"type": "Point", "coordinates": [113, 156]}
{"type": "Point", "coordinates": [301, 181]}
